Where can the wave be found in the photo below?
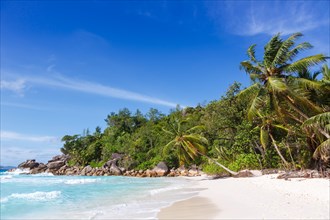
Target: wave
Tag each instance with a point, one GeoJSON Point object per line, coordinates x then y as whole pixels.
{"type": "Point", "coordinates": [36, 196]}
{"type": "Point", "coordinates": [80, 181]}
{"type": "Point", "coordinates": [43, 174]}
{"type": "Point", "coordinates": [17, 171]}
{"type": "Point", "coordinates": [156, 191]}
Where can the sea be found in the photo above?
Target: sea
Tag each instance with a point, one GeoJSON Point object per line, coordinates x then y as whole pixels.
{"type": "Point", "coordinates": [45, 196]}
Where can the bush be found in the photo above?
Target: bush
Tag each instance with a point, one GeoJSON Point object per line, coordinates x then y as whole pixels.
{"type": "Point", "coordinates": [245, 161]}
{"type": "Point", "coordinates": [95, 164]}
{"type": "Point", "coordinates": [212, 169]}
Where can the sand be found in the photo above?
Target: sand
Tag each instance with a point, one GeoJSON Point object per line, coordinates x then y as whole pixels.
{"type": "Point", "coordinates": [263, 197]}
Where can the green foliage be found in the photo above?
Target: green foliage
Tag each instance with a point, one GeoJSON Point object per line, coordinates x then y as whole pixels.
{"type": "Point", "coordinates": [95, 164]}
{"type": "Point", "coordinates": [281, 120]}
{"type": "Point", "coordinates": [212, 169]}
{"type": "Point", "coordinates": [245, 161]}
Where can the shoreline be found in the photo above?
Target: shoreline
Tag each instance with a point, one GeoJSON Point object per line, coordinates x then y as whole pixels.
{"type": "Point", "coordinates": [262, 197]}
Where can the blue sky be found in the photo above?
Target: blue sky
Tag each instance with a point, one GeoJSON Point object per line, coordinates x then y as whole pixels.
{"type": "Point", "coordinates": [65, 65]}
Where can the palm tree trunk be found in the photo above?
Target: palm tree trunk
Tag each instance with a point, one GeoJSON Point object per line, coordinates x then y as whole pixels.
{"type": "Point", "coordinates": [219, 164]}
{"type": "Point", "coordinates": [278, 151]}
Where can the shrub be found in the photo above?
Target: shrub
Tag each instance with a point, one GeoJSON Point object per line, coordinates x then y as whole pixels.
{"type": "Point", "coordinates": [245, 161]}
{"type": "Point", "coordinates": [95, 164]}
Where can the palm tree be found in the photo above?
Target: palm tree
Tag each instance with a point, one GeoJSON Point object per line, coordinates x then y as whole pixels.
{"type": "Point", "coordinates": [276, 89]}
{"type": "Point", "coordinates": [321, 121]}
{"type": "Point", "coordinates": [273, 78]}
{"type": "Point", "coordinates": [188, 145]}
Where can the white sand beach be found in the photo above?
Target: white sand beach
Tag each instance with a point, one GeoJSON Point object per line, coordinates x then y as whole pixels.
{"type": "Point", "coordinates": [262, 197]}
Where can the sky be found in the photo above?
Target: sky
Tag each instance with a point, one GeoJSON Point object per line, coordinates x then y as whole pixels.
{"type": "Point", "coordinates": [66, 65]}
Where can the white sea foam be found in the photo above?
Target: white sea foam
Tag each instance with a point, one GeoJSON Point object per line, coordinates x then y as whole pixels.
{"type": "Point", "coordinates": [6, 177]}
{"type": "Point", "coordinates": [18, 171]}
{"type": "Point", "coordinates": [3, 200]}
{"type": "Point", "coordinates": [36, 196]}
{"type": "Point", "coordinates": [156, 191]}
{"type": "Point", "coordinates": [43, 174]}
{"type": "Point", "coordinates": [79, 181]}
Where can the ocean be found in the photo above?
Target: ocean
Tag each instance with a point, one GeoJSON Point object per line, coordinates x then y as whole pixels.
{"type": "Point", "coordinates": [44, 196]}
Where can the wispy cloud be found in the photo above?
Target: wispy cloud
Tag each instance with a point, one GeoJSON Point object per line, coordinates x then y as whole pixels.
{"type": "Point", "coordinates": [98, 89]}
{"type": "Point", "coordinates": [25, 106]}
{"type": "Point", "coordinates": [270, 17]}
{"type": "Point", "coordinates": [9, 135]}
{"type": "Point", "coordinates": [16, 86]}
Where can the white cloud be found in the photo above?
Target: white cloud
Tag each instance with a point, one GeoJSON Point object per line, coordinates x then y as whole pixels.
{"type": "Point", "coordinates": [287, 19]}
{"type": "Point", "coordinates": [18, 86]}
{"type": "Point", "coordinates": [269, 17]}
{"type": "Point", "coordinates": [9, 135]}
{"type": "Point", "coordinates": [97, 89]}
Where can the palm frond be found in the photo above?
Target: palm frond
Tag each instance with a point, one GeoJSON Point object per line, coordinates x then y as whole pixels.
{"type": "Point", "coordinates": [168, 147]}
{"type": "Point", "coordinates": [264, 137]}
{"type": "Point", "coordinates": [300, 47]}
{"type": "Point", "coordinates": [196, 128]}
{"type": "Point", "coordinates": [249, 68]}
{"type": "Point", "coordinates": [323, 151]}
{"type": "Point", "coordinates": [167, 132]}
{"type": "Point", "coordinates": [326, 73]}
{"type": "Point", "coordinates": [305, 63]}
{"type": "Point", "coordinates": [253, 110]}
{"type": "Point", "coordinates": [249, 92]}
{"type": "Point", "coordinates": [189, 149]}
{"type": "Point", "coordinates": [281, 56]}
{"type": "Point", "coordinates": [195, 138]}
{"type": "Point", "coordinates": [277, 85]}
{"type": "Point", "coordinates": [200, 148]}
{"type": "Point", "coordinates": [308, 84]}
{"type": "Point", "coordinates": [251, 53]}
{"type": "Point", "coordinates": [320, 120]}
{"type": "Point", "coordinates": [271, 49]}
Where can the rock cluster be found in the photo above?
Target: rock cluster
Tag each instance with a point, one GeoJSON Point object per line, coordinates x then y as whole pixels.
{"type": "Point", "coordinates": [58, 166]}
{"type": "Point", "coordinates": [304, 174]}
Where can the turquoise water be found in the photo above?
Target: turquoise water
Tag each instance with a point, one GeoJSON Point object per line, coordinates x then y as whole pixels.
{"type": "Point", "coordinates": [76, 197]}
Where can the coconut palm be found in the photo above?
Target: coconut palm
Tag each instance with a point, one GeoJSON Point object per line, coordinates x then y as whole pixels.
{"type": "Point", "coordinates": [188, 144]}
{"type": "Point", "coordinates": [321, 121]}
{"type": "Point", "coordinates": [277, 90]}
{"type": "Point", "coordinates": [273, 77]}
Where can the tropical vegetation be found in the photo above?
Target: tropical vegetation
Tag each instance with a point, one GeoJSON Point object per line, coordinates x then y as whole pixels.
{"type": "Point", "coordinates": [281, 121]}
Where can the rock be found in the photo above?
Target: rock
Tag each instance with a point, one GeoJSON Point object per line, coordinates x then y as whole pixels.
{"type": "Point", "coordinates": [122, 169]}
{"type": "Point", "coordinates": [55, 165]}
{"type": "Point", "coordinates": [86, 170]}
{"type": "Point", "coordinates": [171, 174]}
{"type": "Point", "coordinates": [62, 157]}
{"type": "Point", "coordinates": [116, 156]}
{"type": "Point", "coordinates": [161, 169]}
{"type": "Point", "coordinates": [114, 170]}
{"type": "Point", "coordinates": [244, 173]}
{"type": "Point", "coordinates": [256, 172]}
{"type": "Point", "coordinates": [29, 164]}
{"type": "Point", "coordinates": [301, 174]}
{"type": "Point", "coordinates": [193, 171]}
{"type": "Point", "coordinates": [40, 169]}
{"type": "Point", "coordinates": [109, 163]}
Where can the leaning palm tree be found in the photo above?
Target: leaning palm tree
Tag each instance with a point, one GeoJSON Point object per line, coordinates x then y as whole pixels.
{"type": "Point", "coordinates": [273, 76]}
{"type": "Point", "coordinates": [188, 145]}
{"type": "Point", "coordinates": [276, 89]}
